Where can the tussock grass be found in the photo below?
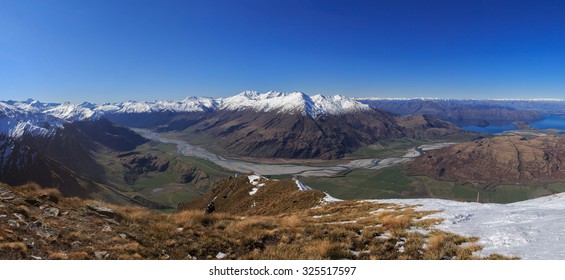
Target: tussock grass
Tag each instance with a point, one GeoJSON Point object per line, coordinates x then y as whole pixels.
{"type": "Point", "coordinates": [58, 256]}
{"type": "Point", "coordinates": [13, 250]}
{"type": "Point", "coordinates": [341, 230]}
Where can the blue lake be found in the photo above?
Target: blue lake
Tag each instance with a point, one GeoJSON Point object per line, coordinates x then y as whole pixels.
{"type": "Point", "coordinates": [549, 122]}
{"type": "Point", "coordinates": [489, 129]}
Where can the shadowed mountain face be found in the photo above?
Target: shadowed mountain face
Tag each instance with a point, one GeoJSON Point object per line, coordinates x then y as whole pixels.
{"type": "Point", "coordinates": [72, 146]}
{"type": "Point", "coordinates": [63, 160]}
{"type": "Point", "coordinates": [294, 135]}
{"type": "Point", "coordinates": [503, 158]}
{"type": "Point", "coordinates": [20, 164]}
{"type": "Point", "coordinates": [287, 135]}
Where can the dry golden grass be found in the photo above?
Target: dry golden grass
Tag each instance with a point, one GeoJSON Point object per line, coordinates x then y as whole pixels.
{"type": "Point", "coordinates": [127, 247]}
{"type": "Point", "coordinates": [78, 255]}
{"type": "Point", "coordinates": [23, 210]}
{"type": "Point", "coordinates": [445, 245]}
{"type": "Point", "coordinates": [58, 256]}
{"type": "Point", "coordinates": [396, 224]}
{"type": "Point", "coordinates": [18, 246]}
{"type": "Point", "coordinates": [341, 230]}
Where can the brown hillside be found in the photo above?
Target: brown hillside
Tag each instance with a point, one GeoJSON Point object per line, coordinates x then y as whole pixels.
{"type": "Point", "coordinates": [233, 196]}
{"type": "Point", "coordinates": [426, 127]}
{"type": "Point", "coordinates": [279, 135]}
{"type": "Point", "coordinates": [502, 158]}
{"type": "Point", "coordinates": [41, 224]}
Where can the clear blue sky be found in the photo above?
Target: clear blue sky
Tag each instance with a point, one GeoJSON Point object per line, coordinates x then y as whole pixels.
{"type": "Point", "coordinates": [118, 50]}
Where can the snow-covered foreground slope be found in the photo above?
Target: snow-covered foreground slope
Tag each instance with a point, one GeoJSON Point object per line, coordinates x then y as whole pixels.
{"type": "Point", "coordinates": [532, 229]}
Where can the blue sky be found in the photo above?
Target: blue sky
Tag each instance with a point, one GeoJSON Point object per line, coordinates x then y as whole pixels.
{"type": "Point", "coordinates": [108, 51]}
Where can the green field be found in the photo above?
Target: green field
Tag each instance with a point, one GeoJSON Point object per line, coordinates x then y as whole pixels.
{"type": "Point", "coordinates": [161, 187]}
{"type": "Point", "coordinates": [395, 182]}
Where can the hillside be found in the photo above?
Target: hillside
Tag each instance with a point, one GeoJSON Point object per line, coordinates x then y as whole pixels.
{"type": "Point", "coordinates": [501, 158]}
{"type": "Point", "coordinates": [41, 224]}
{"type": "Point", "coordinates": [256, 195]}
{"type": "Point", "coordinates": [20, 164]}
{"type": "Point", "coordinates": [268, 135]}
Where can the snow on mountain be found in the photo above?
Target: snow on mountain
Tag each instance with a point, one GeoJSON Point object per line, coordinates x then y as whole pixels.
{"type": "Point", "coordinates": [293, 102]}
{"type": "Point", "coordinates": [338, 104]}
{"type": "Point", "coordinates": [531, 229]}
{"type": "Point", "coordinates": [270, 101]}
{"type": "Point", "coordinates": [107, 108]}
{"type": "Point", "coordinates": [190, 104]}
{"type": "Point", "coordinates": [15, 121]}
{"type": "Point", "coordinates": [31, 105]}
{"type": "Point", "coordinates": [72, 112]}
{"type": "Point", "coordinates": [41, 118]}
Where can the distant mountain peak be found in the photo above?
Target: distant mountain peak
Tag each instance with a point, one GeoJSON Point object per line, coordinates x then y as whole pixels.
{"type": "Point", "coordinates": [41, 118]}
{"type": "Point", "coordinates": [292, 102]}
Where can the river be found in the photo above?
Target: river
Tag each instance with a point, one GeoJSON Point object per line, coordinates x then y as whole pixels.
{"type": "Point", "coordinates": [185, 149]}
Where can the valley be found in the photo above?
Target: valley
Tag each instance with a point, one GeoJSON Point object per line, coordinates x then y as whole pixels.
{"type": "Point", "coordinates": [269, 156]}
{"type": "Point", "coordinates": [379, 178]}
{"type": "Point", "coordinates": [281, 130]}
{"type": "Point", "coordinates": [186, 149]}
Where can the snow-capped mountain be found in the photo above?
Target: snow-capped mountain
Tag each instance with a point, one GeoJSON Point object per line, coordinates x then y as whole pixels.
{"type": "Point", "coordinates": [18, 117]}
{"type": "Point", "coordinates": [15, 121]}
{"type": "Point", "coordinates": [72, 112]}
{"type": "Point", "coordinates": [31, 105]}
{"type": "Point", "coordinates": [190, 104]}
{"type": "Point", "coordinates": [293, 102]}
{"type": "Point", "coordinates": [272, 101]}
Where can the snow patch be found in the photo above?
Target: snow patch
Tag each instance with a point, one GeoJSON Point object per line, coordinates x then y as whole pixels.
{"type": "Point", "coordinates": [254, 180]}
{"type": "Point", "coordinates": [329, 198]}
{"type": "Point", "coordinates": [301, 186]}
{"type": "Point", "coordinates": [531, 229]}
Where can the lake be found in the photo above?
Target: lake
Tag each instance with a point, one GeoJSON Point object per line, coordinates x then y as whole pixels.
{"type": "Point", "coordinates": [548, 122]}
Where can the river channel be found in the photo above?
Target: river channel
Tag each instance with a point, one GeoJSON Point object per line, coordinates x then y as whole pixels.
{"type": "Point", "coordinates": [185, 149]}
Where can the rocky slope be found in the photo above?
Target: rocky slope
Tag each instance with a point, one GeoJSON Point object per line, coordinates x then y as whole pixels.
{"type": "Point", "coordinates": [502, 158]}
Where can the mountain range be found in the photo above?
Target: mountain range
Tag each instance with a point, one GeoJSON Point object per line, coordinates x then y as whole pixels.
{"type": "Point", "coordinates": [467, 112]}
{"type": "Point", "coordinates": [64, 139]}
{"type": "Point", "coordinates": [266, 125]}
{"type": "Point", "coordinates": [89, 151]}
